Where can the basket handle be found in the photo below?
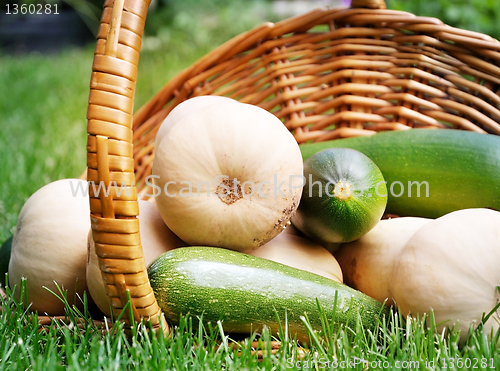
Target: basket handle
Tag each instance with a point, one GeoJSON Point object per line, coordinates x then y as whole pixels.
{"type": "Point", "coordinates": [114, 222]}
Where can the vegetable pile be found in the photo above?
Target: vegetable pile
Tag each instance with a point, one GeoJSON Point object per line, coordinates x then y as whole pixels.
{"type": "Point", "coordinates": [247, 227]}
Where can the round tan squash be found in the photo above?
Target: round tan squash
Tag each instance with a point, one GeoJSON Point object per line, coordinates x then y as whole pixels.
{"type": "Point", "coordinates": [95, 281]}
{"type": "Point", "coordinates": [183, 109]}
{"type": "Point", "coordinates": [156, 239]}
{"type": "Point", "coordinates": [451, 266]}
{"type": "Point", "coordinates": [367, 263]}
{"type": "Point", "coordinates": [50, 245]}
{"type": "Point", "coordinates": [229, 175]}
{"type": "Point", "coordinates": [294, 250]}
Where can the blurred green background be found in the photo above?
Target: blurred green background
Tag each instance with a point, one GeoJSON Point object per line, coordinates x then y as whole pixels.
{"type": "Point", "coordinates": [475, 15]}
{"type": "Point", "coordinates": [43, 93]}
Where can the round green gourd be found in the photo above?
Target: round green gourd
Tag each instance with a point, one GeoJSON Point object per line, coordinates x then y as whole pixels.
{"type": "Point", "coordinates": [247, 293]}
{"type": "Point", "coordinates": [344, 196]}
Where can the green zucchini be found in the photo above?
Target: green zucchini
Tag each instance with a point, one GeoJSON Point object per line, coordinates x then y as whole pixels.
{"type": "Point", "coordinates": [430, 172]}
{"type": "Point", "coordinates": [344, 196]}
{"type": "Point", "coordinates": [247, 293]}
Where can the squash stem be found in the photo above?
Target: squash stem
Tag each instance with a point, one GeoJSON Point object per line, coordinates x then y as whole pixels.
{"type": "Point", "coordinates": [343, 190]}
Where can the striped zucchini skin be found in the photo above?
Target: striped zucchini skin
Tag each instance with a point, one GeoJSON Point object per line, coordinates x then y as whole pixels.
{"type": "Point", "coordinates": [461, 168]}
{"type": "Point", "coordinates": [247, 293]}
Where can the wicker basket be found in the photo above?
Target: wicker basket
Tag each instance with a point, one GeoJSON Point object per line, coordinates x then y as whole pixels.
{"type": "Point", "coordinates": [326, 74]}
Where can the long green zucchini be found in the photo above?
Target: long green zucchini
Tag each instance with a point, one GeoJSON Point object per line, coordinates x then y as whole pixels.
{"type": "Point", "coordinates": [247, 293]}
{"type": "Point", "coordinates": [430, 173]}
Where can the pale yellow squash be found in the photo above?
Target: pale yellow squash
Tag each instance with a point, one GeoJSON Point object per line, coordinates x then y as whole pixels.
{"type": "Point", "coordinates": [182, 110]}
{"type": "Point", "coordinates": [293, 249]}
{"type": "Point", "coordinates": [452, 266]}
{"type": "Point", "coordinates": [49, 246]}
{"type": "Point", "coordinates": [367, 263]}
{"type": "Point", "coordinates": [228, 175]}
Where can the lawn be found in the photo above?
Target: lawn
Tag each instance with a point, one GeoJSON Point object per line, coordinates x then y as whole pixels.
{"type": "Point", "coordinates": [43, 102]}
{"type": "Point", "coordinates": [81, 344]}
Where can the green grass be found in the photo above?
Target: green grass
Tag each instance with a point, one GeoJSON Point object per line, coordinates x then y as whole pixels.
{"type": "Point", "coordinates": [81, 344]}
{"type": "Point", "coordinates": [43, 103]}
{"type": "Point", "coordinates": [42, 113]}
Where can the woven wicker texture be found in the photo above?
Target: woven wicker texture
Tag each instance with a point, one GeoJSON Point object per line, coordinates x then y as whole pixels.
{"type": "Point", "coordinates": [327, 74]}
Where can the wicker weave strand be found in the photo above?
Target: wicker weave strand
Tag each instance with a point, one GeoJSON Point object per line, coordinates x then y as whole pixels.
{"type": "Point", "coordinates": [370, 4]}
